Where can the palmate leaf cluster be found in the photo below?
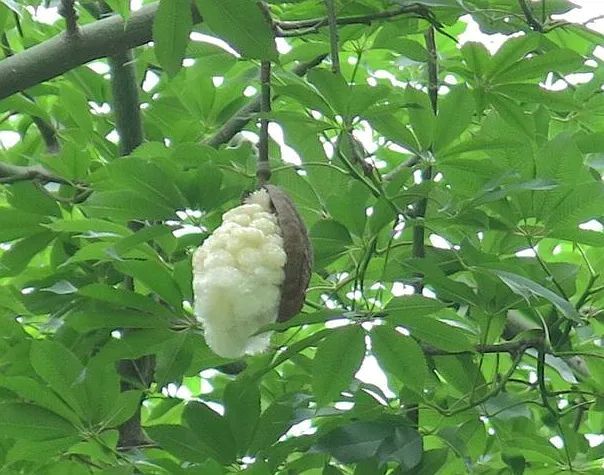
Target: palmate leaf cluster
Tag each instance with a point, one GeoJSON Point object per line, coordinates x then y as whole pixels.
{"type": "Point", "coordinates": [496, 367]}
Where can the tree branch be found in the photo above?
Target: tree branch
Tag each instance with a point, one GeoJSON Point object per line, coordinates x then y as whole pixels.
{"type": "Point", "coordinates": [530, 18]}
{"type": "Point", "coordinates": [125, 102]}
{"type": "Point", "coordinates": [139, 372]}
{"type": "Point", "coordinates": [240, 119]}
{"type": "Point", "coordinates": [65, 52]}
{"type": "Point", "coordinates": [332, 20]}
{"type": "Point", "coordinates": [505, 347]}
{"type": "Point", "coordinates": [263, 170]}
{"type": "Point", "coordinates": [67, 10]}
{"type": "Point", "coordinates": [110, 36]}
{"type": "Point", "coordinates": [303, 27]}
{"type": "Point", "coordinates": [418, 248]}
{"type": "Point", "coordinates": [48, 133]}
{"type": "Point", "coordinates": [14, 173]}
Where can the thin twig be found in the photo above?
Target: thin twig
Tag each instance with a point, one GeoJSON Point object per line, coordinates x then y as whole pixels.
{"type": "Point", "coordinates": [314, 24]}
{"type": "Point", "coordinates": [332, 20]}
{"type": "Point", "coordinates": [506, 347]}
{"type": "Point", "coordinates": [418, 249]}
{"type": "Point", "coordinates": [135, 373]}
{"type": "Point", "coordinates": [263, 169]}
{"type": "Point", "coordinates": [14, 173]}
{"type": "Point", "coordinates": [530, 18]}
{"type": "Point", "coordinates": [67, 10]}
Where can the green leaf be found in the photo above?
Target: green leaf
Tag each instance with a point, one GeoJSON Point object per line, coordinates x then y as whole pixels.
{"type": "Point", "coordinates": [22, 252]}
{"type": "Point", "coordinates": [15, 224]}
{"type": "Point", "coordinates": [432, 331]}
{"type": "Point", "coordinates": [241, 24]}
{"type": "Point", "coordinates": [561, 61]}
{"type": "Point", "coordinates": [126, 405]}
{"type": "Point", "coordinates": [333, 87]}
{"type": "Point", "coordinates": [406, 47]}
{"type": "Point", "coordinates": [273, 423]}
{"type": "Point", "coordinates": [431, 462]}
{"type": "Point", "coordinates": [121, 7]}
{"type": "Point", "coordinates": [123, 298]}
{"type": "Point", "coordinates": [27, 196]}
{"type": "Point", "coordinates": [527, 288]}
{"type": "Point", "coordinates": [174, 358]}
{"type": "Point", "coordinates": [155, 277]}
{"type": "Point", "coordinates": [421, 115]}
{"type": "Point", "coordinates": [61, 370]}
{"type": "Point", "coordinates": [171, 28]}
{"type": "Point", "coordinates": [93, 227]}
{"type": "Point", "coordinates": [140, 237]}
{"type": "Point", "coordinates": [400, 356]}
{"type": "Point", "coordinates": [320, 316]}
{"type": "Point", "coordinates": [338, 358]}
{"type": "Point", "coordinates": [577, 206]}
{"type": "Point", "coordinates": [144, 178]}
{"type": "Point", "coordinates": [349, 207]}
{"type": "Point", "coordinates": [77, 107]}
{"type": "Point", "coordinates": [213, 430]}
{"type": "Point", "coordinates": [461, 373]}
{"type": "Point", "coordinates": [356, 441]}
{"type": "Point", "coordinates": [403, 447]}
{"type": "Point", "coordinates": [39, 450]}
{"type": "Point", "coordinates": [511, 51]}
{"type": "Point", "coordinates": [28, 422]}
{"type": "Point", "coordinates": [382, 215]}
{"type": "Point", "coordinates": [329, 239]}
{"type": "Point", "coordinates": [180, 441]}
{"type": "Point", "coordinates": [513, 114]}
{"type": "Point", "coordinates": [102, 386]}
{"type": "Point", "coordinates": [455, 114]}
{"type": "Point", "coordinates": [242, 410]}
{"type": "Point", "coordinates": [414, 305]}
{"type": "Point", "coordinates": [393, 129]}
{"type": "Point", "coordinates": [31, 390]}
{"type": "Point", "coordinates": [476, 57]}
{"type": "Point", "coordinates": [125, 205]}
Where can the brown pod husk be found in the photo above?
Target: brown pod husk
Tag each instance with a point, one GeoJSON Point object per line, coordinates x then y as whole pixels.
{"type": "Point", "coordinates": [298, 251]}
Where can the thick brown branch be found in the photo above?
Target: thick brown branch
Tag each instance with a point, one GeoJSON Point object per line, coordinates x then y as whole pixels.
{"type": "Point", "coordinates": [65, 52]}
{"type": "Point", "coordinates": [110, 36]}
{"type": "Point", "coordinates": [126, 102]}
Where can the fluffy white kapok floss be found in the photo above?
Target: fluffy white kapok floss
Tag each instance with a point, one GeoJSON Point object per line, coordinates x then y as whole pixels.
{"type": "Point", "coordinates": [237, 274]}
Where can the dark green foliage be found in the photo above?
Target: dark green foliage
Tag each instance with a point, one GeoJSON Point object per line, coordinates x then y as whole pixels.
{"type": "Point", "coordinates": [497, 368]}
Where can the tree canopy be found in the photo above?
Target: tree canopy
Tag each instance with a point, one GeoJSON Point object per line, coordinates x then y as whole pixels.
{"type": "Point", "coordinates": [453, 193]}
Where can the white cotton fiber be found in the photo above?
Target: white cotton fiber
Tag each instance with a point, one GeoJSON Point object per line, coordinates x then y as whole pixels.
{"type": "Point", "coordinates": [237, 274]}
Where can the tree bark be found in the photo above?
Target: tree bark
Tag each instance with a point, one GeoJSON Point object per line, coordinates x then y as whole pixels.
{"type": "Point", "coordinates": [65, 52]}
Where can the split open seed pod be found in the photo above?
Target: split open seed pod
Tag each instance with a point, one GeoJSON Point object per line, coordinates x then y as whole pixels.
{"type": "Point", "coordinates": [297, 249]}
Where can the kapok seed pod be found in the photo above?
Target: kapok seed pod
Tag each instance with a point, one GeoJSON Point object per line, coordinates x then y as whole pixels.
{"type": "Point", "coordinates": [298, 251]}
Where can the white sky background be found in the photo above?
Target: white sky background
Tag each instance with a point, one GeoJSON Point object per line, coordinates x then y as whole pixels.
{"type": "Point", "coordinates": [370, 371]}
